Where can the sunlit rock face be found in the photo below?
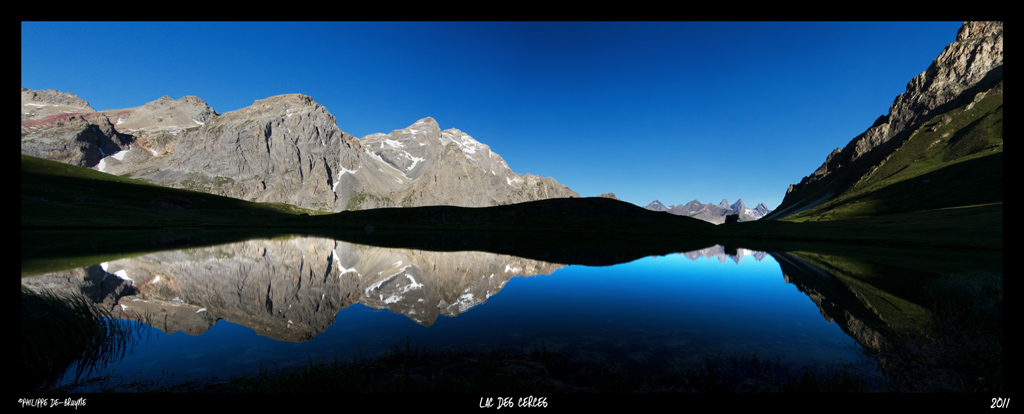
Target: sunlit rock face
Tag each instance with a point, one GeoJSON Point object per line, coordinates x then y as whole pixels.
{"type": "Point", "coordinates": [279, 149]}
{"type": "Point", "coordinates": [424, 165]}
{"type": "Point", "coordinates": [969, 66]}
{"type": "Point", "coordinates": [285, 148]}
{"type": "Point", "coordinates": [63, 127]}
{"type": "Point", "coordinates": [291, 289]}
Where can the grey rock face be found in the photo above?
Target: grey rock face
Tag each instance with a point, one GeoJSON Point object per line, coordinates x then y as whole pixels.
{"type": "Point", "coordinates": [285, 149]}
{"type": "Point", "coordinates": [38, 104]}
{"type": "Point", "coordinates": [280, 149]}
{"type": "Point", "coordinates": [971, 64]}
{"type": "Point", "coordinates": [422, 165]}
{"type": "Point", "coordinates": [63, 127]}
{"type": "Point", "coordinates": [163, 114]}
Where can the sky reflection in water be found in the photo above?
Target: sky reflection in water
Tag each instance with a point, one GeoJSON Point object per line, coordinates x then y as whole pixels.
{"type": "Point", "coordinates": [656, 312]}
{"type": "Point", "coordinates": [652, 313]}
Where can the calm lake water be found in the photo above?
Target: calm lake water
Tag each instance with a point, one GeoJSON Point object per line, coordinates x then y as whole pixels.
{"type": "Point", "coordinates": [233, 309]}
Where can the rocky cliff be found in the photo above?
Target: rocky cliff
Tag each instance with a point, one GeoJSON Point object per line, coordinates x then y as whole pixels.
{"type": "Point", "coordinates": [969, 66]}
{"type": "Point", "coordinates": [284, 148]}
{"type": "Point", "coordinates": [63, 127]}
{"type": "Point", "coordinates": [423, 165]}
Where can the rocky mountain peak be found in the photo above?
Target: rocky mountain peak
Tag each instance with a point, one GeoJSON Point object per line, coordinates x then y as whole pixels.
{"type": "Point", "coordinates": [427, 122]}
{"type": "Point", "coordinates": [423, 165]}
{"type": "Point", "coordinates": [694, 204]}
{"type": "Point", "coordinates": [287, 100]}
{"type": "Point", "coordinates": [165, 113]}
{"type": "Point", "coordinates": [971, 64]}
{"type": "Point", "coordinates": [51, 108]}
{"type": "Point", "coordinates": [962, 65]}
{"type": "Point", "coordinates": [974, 30]}
{"type": "Point", "coordinates": [279, 106]}
{"type": "Point", "coordinates": [52, 97]}
{"type": "Point", "coordinates": [164, 100]}
{"type": "Point", "coordinates": [656, 206]}
{"type": "Point", "coordinates": [421, 132]}
{"type": "Point", "coordinates": [287, 149]}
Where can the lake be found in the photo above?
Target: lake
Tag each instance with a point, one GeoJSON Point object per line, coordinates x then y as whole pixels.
{"type": "Point", "coordinates": [234, 309]}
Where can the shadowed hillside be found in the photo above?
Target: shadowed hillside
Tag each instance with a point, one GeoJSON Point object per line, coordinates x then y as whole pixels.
{"type": "Point", "coordinates": [940, 146]}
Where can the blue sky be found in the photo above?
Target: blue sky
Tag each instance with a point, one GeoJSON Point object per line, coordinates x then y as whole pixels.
{"type": "Point", "coordinates": [673, 111]}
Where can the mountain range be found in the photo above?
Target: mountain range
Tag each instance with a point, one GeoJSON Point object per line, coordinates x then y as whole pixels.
{"type": "Point", "coordinates": [712, 213]}
{"type": "Point", "coordinates": [938, 150]}
{"type": "Point", "coordinates": [285, 149]}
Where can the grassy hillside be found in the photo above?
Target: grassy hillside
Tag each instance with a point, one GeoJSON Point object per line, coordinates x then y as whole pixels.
{"type": "Point", "coordinates": [58, 195]}
{"type": "Point", "coordinates": [61, 196]}
{"type": "Point", "coordinates": [72, 215]}
{"type": "Point", "coordinates": [955, 160]}
{"type": "Point", "coordinates": [942, 188]}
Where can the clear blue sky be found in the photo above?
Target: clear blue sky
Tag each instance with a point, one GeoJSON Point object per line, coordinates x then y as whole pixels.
{"type": "Point", "coordinates": [673, 111]}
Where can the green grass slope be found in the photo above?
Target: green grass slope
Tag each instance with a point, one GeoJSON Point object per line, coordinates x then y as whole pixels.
{"type": "Point", "coordinates": [955, 160]}
{"type": "Point", "coordinates": [72, 215]}
{"type": "Point", "coordinates": [942, 188]}
{"type": "Point", "coordinates": [58, 195]}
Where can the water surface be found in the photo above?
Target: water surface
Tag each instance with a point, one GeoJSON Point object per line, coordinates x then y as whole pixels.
{"type": "Point", "coordinates": [233, 309]}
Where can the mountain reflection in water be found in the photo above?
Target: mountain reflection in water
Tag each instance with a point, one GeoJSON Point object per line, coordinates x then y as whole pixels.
{"type": "Point", "coordinates": [231, 309]}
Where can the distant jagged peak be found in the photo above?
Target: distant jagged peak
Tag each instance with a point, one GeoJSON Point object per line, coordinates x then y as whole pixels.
{"type": "Point", "coordinates": [713, 213]}
{"type": "Point", "coordinates": [657, 205]}
{"type": "Point", "coordinates": [694, 203]}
